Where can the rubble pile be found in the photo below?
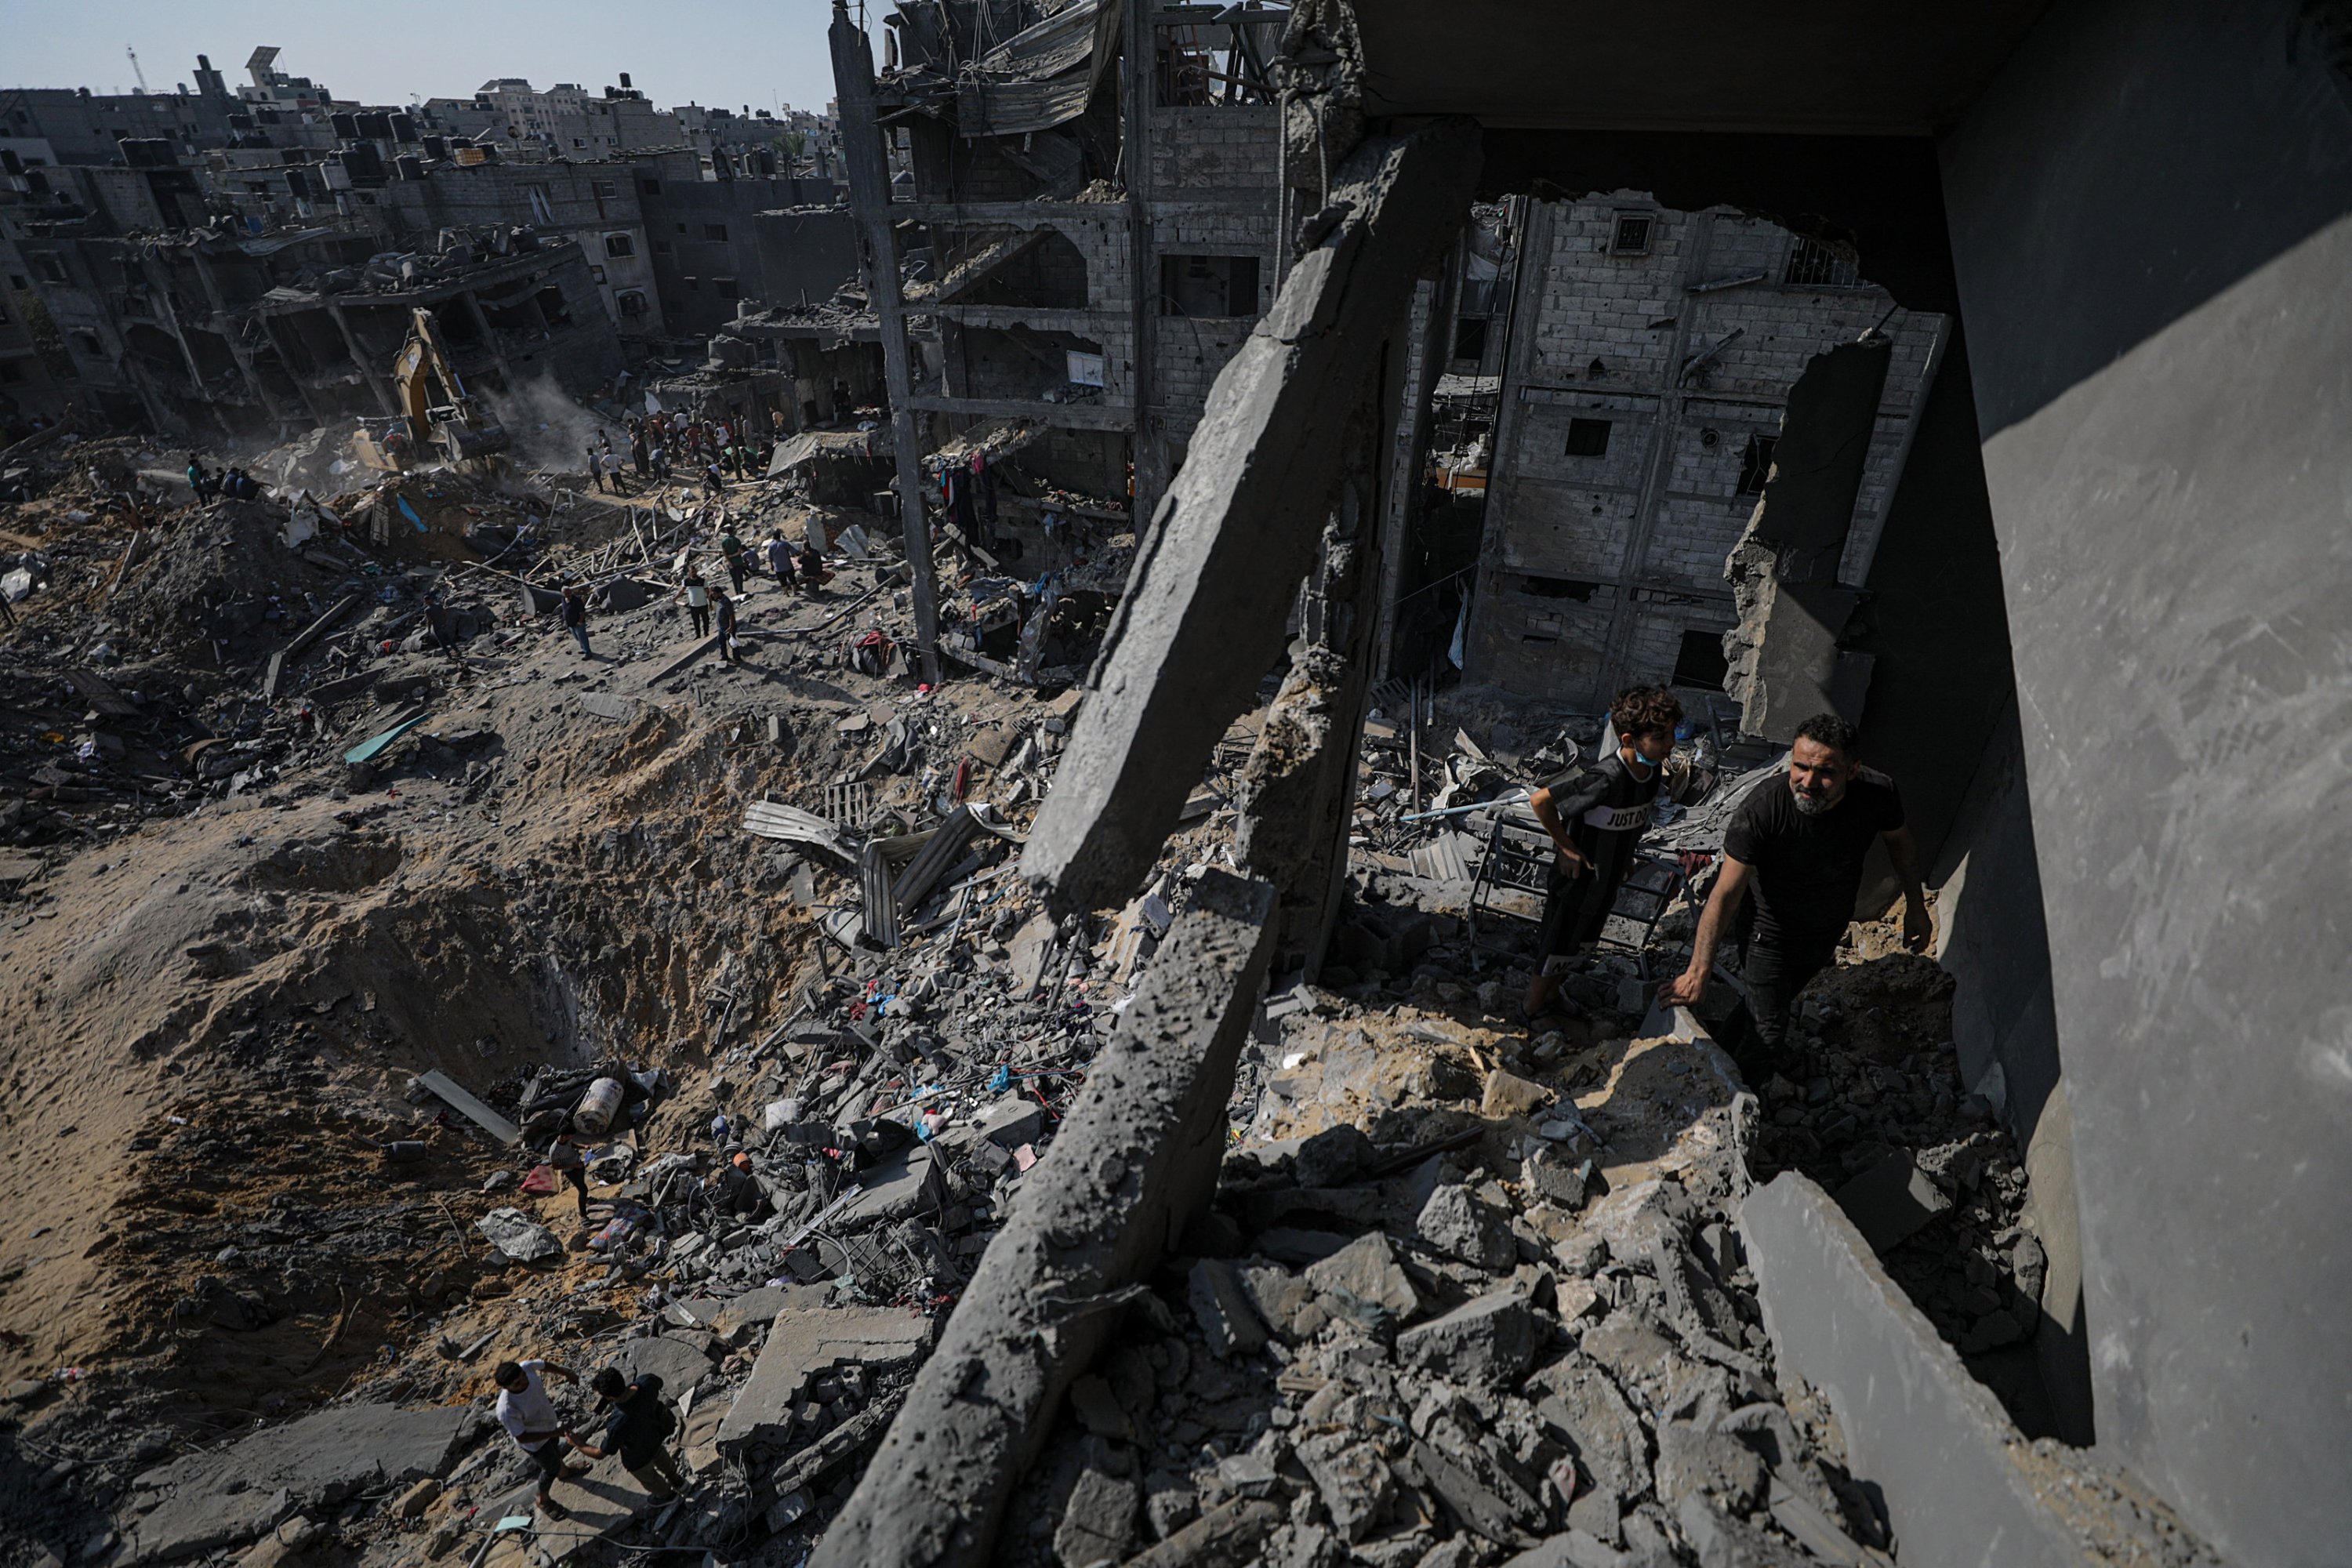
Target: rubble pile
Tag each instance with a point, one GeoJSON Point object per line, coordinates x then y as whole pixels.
{"type": "Point", "coordinates": [1455, 1337]}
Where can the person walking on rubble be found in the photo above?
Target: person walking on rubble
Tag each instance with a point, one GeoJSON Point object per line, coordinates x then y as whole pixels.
{"type": "Point", "coordinates": [595, 468]}
{"type": "Point", "coordinates": [730, 550]}
{"type": "Point", "coordinates": [779, 559]}
{"type": "Point", "coordinates": [696, 595]}
{"type": "Point", "coordinates": [564, 1157]}
{"type": "Point", "coordinates": [531, 1419]}
{"type": "Point", "coordinates": [638, 1430]}
{"type": "Point", "coordinates": [1800, 851]}
{"type": "Point", "coordinates": [1595, 819]}
{"type": "Point", "coordinates": [723, 612]}
{"type": "Point", "coordinates": [575, 617]}
{"type": "Point", "coordinates": [640, 454]}
{"type": "Point", "coordinates": [713, 481]}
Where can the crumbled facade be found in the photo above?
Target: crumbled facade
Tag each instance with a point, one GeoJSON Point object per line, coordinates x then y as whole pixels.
{"type": "Point", "coordinates": [1649, 358]}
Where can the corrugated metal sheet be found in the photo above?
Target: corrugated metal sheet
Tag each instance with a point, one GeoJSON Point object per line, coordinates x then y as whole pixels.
{"type": "Point", "coordinates": [1043, 76]}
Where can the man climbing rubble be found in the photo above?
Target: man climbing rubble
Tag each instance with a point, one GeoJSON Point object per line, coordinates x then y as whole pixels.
{"type": "Point", "coordinates": [1802, 850]}
{"type": "Point", "coordinates": [638, 1430]}
{"type": "Point", "coordinates": [1595, 819]}
{"type": "Point", "coordinates": [531, 1419]}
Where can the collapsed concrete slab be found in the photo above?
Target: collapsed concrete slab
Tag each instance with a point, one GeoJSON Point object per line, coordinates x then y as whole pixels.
{"type": "Point", "coordinates": [804, 1341]}
{"type": "Point", "coordinates": [1233, 538]}
{"type": "Point", "coordinates": [1135, 1157]}
{"type": "Point", "coordinates": [1962, 1486]}
{"type": "Point", "coordinates": [206, 1501]}
{"type": "Point", "coordinates": [1785, 662]}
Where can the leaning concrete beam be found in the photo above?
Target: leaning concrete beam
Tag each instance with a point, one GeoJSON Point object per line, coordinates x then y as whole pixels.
{"type": "Point", "coordinates": [1201, 621]}
{"type": "Point", "coordinates": [1954, 1470]}
{"type": "Point", "coordinates": [1137, 1157]}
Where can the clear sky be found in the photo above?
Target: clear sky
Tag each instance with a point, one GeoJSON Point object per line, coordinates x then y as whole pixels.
{"type": "Point", "coordinates": [724, 53]}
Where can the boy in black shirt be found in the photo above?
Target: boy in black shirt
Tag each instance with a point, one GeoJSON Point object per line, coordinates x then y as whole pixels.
{"type": "Point", "coordinates": [1596, 818]}
{"type": "Point", "coordinates": [1801, 851]}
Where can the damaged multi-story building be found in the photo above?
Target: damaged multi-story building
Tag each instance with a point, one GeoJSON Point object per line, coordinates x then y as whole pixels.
{"type": "Point", "coordinates": [1645, 366]}
{"type": "Point", "coordinates": [1088, 203]}
{"type": "Point", "coordinates": [143, 260]}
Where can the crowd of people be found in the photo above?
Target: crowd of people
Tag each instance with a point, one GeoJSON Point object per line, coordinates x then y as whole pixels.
{"type": "Point", "coordinates": [661, 446]}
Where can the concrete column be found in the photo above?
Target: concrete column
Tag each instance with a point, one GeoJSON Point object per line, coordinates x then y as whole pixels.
{"type": "Point", "coordinates": [1426, 337]}
{"type": "Point", "coordinates": [489, 336]}
{"type": "Point", "coordinates": [379, 385]}
{"type": "Point", "coordinates": [238, 351]}
{"type": "Point", "coordinates": [869, 198]}
{"type": "Point", "coordinates": [1298, 788]}
{"type": "Point", "coordinates": [1237, 531]}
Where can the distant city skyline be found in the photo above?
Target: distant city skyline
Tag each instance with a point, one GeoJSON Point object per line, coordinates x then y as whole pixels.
{"type": "Point", "coordinates": [728, 54]}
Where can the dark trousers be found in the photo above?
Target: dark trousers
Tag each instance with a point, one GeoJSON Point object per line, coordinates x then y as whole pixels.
{"type": "Point", "coordinates": [581, 633]}
{"type": "Point", "coordinates": [735, 570]}
{"type": "Point", "coordinates": [1774, 967]}
{"type": "Point", "coordinates": [657, 1473]}
{"type": "Point", "coordinates": [578, 1177]}
{"type": "Point", "coordinates": [701, 615]}
{"type": "Point", "coordinates": [548, 1458]}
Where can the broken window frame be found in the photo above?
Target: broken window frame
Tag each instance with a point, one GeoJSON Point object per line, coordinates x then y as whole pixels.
{"type": "Point", "coordinates": [1711, 661]}
{"type": "Point", "coordinates": [1583, 428]}
{"type": "Point", "coordinates": [1235, 278]}
{"type": "Point", "coordinates": [619, 245]}
{"type": "Point", "coordinates": [1755, 465]}
{"type": "Point", "coordinates": [1621, 224]}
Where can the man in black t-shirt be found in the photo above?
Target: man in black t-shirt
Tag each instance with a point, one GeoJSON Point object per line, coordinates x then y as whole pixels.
{"type": "Point", "coordinates": [638, 1430]}
{"type": "Point", "coordinates": [1800, 851]}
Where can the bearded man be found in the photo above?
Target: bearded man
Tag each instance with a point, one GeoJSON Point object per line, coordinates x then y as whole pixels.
{"type": "Point", "coordinates": [1800, 851]}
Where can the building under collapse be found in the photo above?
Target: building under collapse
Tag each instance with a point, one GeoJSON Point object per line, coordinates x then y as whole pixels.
{"type": "Point", "coordinates": [1086, 204]}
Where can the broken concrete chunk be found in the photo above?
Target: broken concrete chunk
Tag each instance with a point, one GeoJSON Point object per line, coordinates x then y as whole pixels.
{"type": "Point", "coordinates": [1586, 1412]}
{"type": "Point", "coordinates": [1333, 1157]}
{"type": "Point", "coordinates": [680, 1360]}
{"type": "Point", "coordinates": [1284, 1300]}
{"type": "Point", "coordinates": [1224, 1537]}
{"type": "Point", "coordinates": [1509, 1095]}
{"type": "Point", "coordinates": [801, 1344]}
{"type": "Point", "coordinates": [1892, 1200]}
{"type": "Point", "coordinates": [1224, 1310]}
{"type": "Point", "coordinates": [1559, 1179]}
{"type": "Point", "coordinates": [1456, 1224]}
{"type": "Point", "coordinates": [1353, 1478]}
{"type": "Point", "coordinates": [1717, 1537]}
{"type": "Point", "coordinates": [1575, 1548]}
{"type": "Point", "coordinates": [1693, 1463]}
{"type": "Point", "coordinates": [518, 1236]}
{"type": "Point", "coordinates": [1487, 1341]}
{"type": "Point", "coordinates": [1169, 1503]}
{"type": "Point", "coordinates": [1582, 1255]}
{"type": "Point", "coordinates": [1812, 1527]}
{"type": "Point", "coordinates": [1100, 1522]}
{"type": "Point", "coordinates": [1366, 1270]}
{"type": "Point", "coordinates": [1013, 1121]}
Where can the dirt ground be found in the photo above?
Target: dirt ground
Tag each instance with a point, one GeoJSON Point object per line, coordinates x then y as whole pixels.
{"type": "Point", "coordinates": [215, 1005]}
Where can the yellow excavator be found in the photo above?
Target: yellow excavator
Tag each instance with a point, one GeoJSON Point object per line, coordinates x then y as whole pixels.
{"type": "Point", "coordinates": [455, 426]}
